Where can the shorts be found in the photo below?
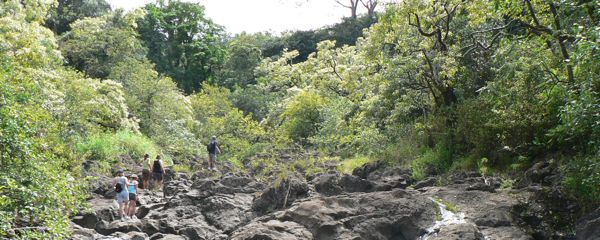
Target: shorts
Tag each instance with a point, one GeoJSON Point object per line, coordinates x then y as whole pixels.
{"type": "Point", "coordinates": [212, 157]}
{"type": "Point", "coordinates": [122, 197]}
{"type": "Point", "coordinates": [132, 196]}
{"type": "Point", "coordinates": [157, 176]}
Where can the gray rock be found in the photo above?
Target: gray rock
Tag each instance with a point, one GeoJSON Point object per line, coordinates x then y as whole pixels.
{"type": "Point", "coordinates": [227, 212]}
{"type": "Point", "coordinates": [428, 182]}
{"type": "Point", "coordinates": [376, 215]}
{"type": "Point", "coordinates": [480, 186]}
{"type": "Point", "coordinates": [80, 233]}
{"type": "Point", "coordinates": [137, 236]}
{"type": "Point", "coordinates": [494, 219]}
{"type": "Point", "coordinates": [272, 230]}
{"type": "Point", "coordinates": [365, 170]}
{"type": "Point", "coordinates": [351, 183]}
{"type": "Point", "coordinates": [106, 228]}
{"type": "Point", "coordinates": [327, 184]}
{"type": "Point", "coordinates": [463, 231]}
{"type": "Point", "coordinates": [278, 195]}
{"type": "Point", "coordinates": [162, 236]}
{"type": "Point", "coordinates": [87, 219]}
{"type": "Point", "coordinates": [587, 227]}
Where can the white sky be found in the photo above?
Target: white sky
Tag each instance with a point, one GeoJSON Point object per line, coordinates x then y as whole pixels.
{"type": "Point", "coordinates": [263, 15]}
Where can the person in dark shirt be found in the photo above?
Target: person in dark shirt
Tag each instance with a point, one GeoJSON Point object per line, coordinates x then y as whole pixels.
{"type": "Point", "coordinates": [213, 149]}
{"type": "Point", "coordinates": [157, 172]}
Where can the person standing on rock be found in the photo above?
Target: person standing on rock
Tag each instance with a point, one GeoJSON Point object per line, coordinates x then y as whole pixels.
{"type": "Point", "coordinates": [213, 149]}
{"type": "Point", "coordinates": [157, 171]}
{"type": "Point", "coordinates": [146, 172]}
{"type": "Point", "coordinates": [132, 188]}
{"type": "Point", "coordinates": [118, 185]}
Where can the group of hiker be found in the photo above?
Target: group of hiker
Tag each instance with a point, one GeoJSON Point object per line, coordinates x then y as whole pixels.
{"type": "Point", "coordinates": [127, 187]}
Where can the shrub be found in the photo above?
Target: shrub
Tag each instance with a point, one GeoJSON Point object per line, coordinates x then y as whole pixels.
{"type": "Point", "coordinates": [348, 165]}
{"type": "Point", "coordinates": [302, 116]}
{"type": "Point", "coordinates": [106, 149]}
{"type": "Point", "coordinates": [583, 178]}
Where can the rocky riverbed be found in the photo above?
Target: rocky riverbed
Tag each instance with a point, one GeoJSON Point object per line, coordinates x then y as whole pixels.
{"type": "Point", "coordinates": [372, 203]}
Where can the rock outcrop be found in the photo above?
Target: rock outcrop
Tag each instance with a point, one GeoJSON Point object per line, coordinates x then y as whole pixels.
{"type": "Point", "coordinates": [375, 202]}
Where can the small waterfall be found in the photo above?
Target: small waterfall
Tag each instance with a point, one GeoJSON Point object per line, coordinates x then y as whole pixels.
{"type": "Point", "coordinates": [448, 218]}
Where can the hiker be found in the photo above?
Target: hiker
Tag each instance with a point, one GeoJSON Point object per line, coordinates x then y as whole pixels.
{"type": "Point", "coordinates": [118, 185]}
{"type": "Point", "coordinates": [157, 171]}
{"type": "Point", "coordinates": [132, 188]}
{"type": "Point", "coordinates": [146, 172]}
{"type": "Point", "coordinates": [213, 149]}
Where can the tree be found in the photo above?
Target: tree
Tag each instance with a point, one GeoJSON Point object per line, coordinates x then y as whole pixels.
{"type": "Point", "coordinates": [68, 11]}
{"type": "Point", "coordinates": [182, 42]}
{"type": "Point", "coordinates": [353, 6]}
{"type": "Point", "coordinates": [370, 5]}
{"type": "Point", "coordinates": [243, 55]}
{"type": "Point", "coordinates": [95, 45]}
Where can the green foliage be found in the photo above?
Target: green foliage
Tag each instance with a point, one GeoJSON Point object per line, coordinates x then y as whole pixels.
{"type": "Point", "coordinates": [68, 11]}
{"type": "Point", "coordinates": [239, 135]}
{"type": "Point", "coordinates": [448, 205]}
{"type": "Point", "coordinates": [436, 160]}
{"type": "Point", "coordinates": [96, 45]}
{"type": "Point", "coordinates": [182, 168]}
{"type": "Point", "coordinates": [243, 55]}
{"type": "Point", "coordinates": [348, 165]}
{"type": "Point", "coordinates": [301, 116]}
{"type": "Point", "coordinates": [306, 42]}
{"type": "Point", "coordinates": [106, 151]}
{"type": "Point", "coordinates": [583, 178]}
{"type": "Point", "coordinates": [182, 42]}
{"type": "Point", "coordinates": [32, 11]}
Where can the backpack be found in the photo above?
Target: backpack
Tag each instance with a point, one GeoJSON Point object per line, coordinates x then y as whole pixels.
{"type": "Point", "coordinates": [119, 187]}
{"type": "Point", "coordinates": [157, 168]}
{"type": "Point", "coordinates": [211, 147]}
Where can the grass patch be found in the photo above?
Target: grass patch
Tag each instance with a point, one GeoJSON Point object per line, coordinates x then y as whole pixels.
{"type": "Point", "coordinates": [182, 168]}
{"type": "Point", "coordinates": [449, 206]}
{"type": "Point", "coordinates": [348, 165]}
{"type": "Point", "coordinates": [105, 149]}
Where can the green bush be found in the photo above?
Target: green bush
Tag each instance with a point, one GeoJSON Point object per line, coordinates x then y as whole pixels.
{"type": "Point", "coordinates": [583, 178]}
{"type": "Point", "coordinates": [107, 149]}
{"type": "Point", "coordinates": [302, 116]}
{"type": "Point", "coordinates": [348, 165]}
{"type": "Point", "coordinates": [438, 159]}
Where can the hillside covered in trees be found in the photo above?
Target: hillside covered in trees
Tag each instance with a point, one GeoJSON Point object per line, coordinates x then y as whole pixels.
{"type": "Point", "coordinates": [433, 86]}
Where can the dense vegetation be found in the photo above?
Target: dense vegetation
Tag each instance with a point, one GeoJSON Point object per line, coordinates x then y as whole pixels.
{"type": "Point", "coordinates": [437, 86]}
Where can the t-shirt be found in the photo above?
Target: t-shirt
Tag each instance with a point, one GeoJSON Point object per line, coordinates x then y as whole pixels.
{"type": "Point", "coordinates": [131, 187]}
{"type": "Point", "coordinates": [212, 147]}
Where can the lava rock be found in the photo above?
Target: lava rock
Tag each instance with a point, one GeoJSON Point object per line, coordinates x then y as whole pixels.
{"type": "Point", "coordinates": [587, 227]}
{"type": "Point", "coordinates": [327, 184]}
{"type": "Point", "coordinates": [272, 230]}
{"type": "Point", "coordinates": [278, 195]}
{"type": "Point", "coordinates": [351, 183]}
{"type": "Point", "coordinates": [464, 231]}
{"type": "Point", "coordinates": [428, 182]}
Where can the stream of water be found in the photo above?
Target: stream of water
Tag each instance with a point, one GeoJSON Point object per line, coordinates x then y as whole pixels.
{"type": "Point", "coordinates": [447, 218]}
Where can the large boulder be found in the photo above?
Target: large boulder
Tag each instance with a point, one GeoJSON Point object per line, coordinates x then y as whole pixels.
{"type": "Point", "coordinates": [272, 230]}
{"type": "Point", "coordinates": [366, 169]}
{"type": "Point", "coordinates": [351, 183]}
{"type": "Point", "coordinates": [87, 219]}
{"type": "Point", "coordinates": [428, 182]}
{"type": "Point", "coordinates": [393, 214]}
{"type": "Point", "coordinates": [464, 231]}
{"type": "Point", "coordinates": [106, 228]}
{"type": "Point", "coordinates": [227, 211]}
{"type": "Point", "coordinates": [280, 195]}
{"type": "Point", "coordinates": [588, 226]}
{"type": "Point", "coordinates": [327, 184]}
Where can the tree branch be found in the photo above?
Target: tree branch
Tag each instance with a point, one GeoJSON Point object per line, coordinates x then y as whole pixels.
{"type": "Point", "coordinates": [418, 26]}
